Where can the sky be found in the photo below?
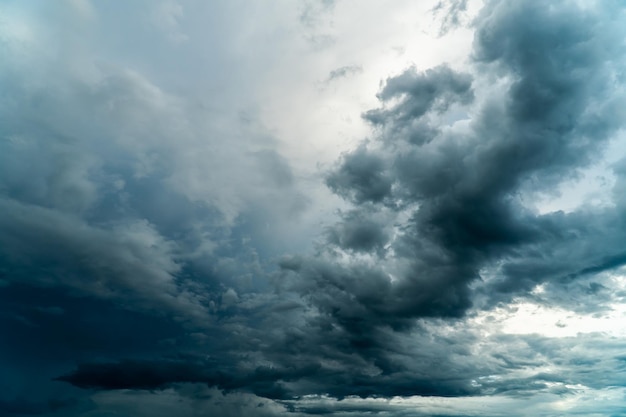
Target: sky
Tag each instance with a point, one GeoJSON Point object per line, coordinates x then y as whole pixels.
{"type": "Point", "coordinates": [317, 207]}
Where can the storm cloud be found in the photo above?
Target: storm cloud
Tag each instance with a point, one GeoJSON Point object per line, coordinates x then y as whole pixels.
{"type": "Point", "coordinates": [460, 185]}
{"type": "Point", "coordinates": [167, 243]}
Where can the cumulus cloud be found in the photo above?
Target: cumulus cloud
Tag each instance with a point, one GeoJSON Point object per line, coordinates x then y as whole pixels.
{"type": "Point", "coordinates": [546, 125]}
{"type": "Point", "coordinates": [151, 239]}
{"type": "Point", "coordinates": [457, 179]}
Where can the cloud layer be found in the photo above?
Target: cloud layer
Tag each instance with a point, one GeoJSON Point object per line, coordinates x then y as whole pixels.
{"type": "Point", "coordinates": [163, 247]}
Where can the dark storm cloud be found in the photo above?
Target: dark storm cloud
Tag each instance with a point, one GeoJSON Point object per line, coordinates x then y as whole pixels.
{"type": "Point", "coordinates": [142, 264]}
{"type": "Point", "coordinates": [547, 124]}
{"type": "Point", "coordinates": [110, 246]}
{"type": "Point", "coordinates": [152, 374]}
{"type": "Point", "coordinates": [555, 107]}
{"type": "Point", "coordinates": [136, 375]}
{"type": "Point", "coordinates": [102, 199]}
{"type": "Point", "coordinates": [51, 328]}
{"type": "Point", "coordinates": [564, 104]}
{"type": "Point", "coordinates": [434, 90]}
{"type": "Point", "coordinates": [313, 357]}
{"type": "Point", "coordinates": [129, 261]}
{"type": "Point", "coordinates": [361, 232]}
{"type": "Point", "coordinates": [458, 188]}
{"type": "Point", "coordinates": [362, 177]}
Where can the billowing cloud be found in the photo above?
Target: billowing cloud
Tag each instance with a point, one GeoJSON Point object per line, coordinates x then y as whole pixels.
{"type": "Point", "coordinates": [458, 181]}
{"type": "Point", "coordinates": [165, 246]}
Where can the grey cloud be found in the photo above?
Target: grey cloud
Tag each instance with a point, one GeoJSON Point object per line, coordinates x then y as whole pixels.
{"type": "Point", "coordinates": [434, 90]}
{"type": "Point", "coordinates": [312, 10]}
{"type": "Point", "coordinates": [263, 381]}
{"type": "Point", "coordinates": [136, 375]}
{"type": "Point", "coordinates": [138, 209]}
{"type": "Point", "coordinates": [125, 162]}
{"type": "Point", "coordinates": [453, 11]}
{"type": "Point", "coordinates": [128, 259]}
{"type": "Point", "coordinates": [43, 343]}
{"type": "Point", "coordinates": [344, 71]}
{"type": "Point", "coordinates": [457, 188]}
{"type": "Point", "coordinates": [361, 232]}
{"type": "Point", "coordinates": [275, 167]}
{"type": "Point", "coordinates": [316, 18]}
{"type": "Point", "coordinates": [21, 407]}
{"type": "Point", "coordinates": [555, 363]}
{"type": "Point", "coordinates": [185, 400]}
{"type": "Point", "coordinates": [361, 177]}
{"type": "Point", "coordinates": [458, 185]}
{"type": "Point", "coordinates": [134, 204]}
{"type": "Point", "coordinates": [464, 183]}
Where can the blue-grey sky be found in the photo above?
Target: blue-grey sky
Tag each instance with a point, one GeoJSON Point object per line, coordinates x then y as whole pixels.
{"type": "Point", "coordinates": [324, 207]}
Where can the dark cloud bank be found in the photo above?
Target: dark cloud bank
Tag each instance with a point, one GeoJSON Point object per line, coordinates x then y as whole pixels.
{"type": "Point", "coordinates": [112, 278]}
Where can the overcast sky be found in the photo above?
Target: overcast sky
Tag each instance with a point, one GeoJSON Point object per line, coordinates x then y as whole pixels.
{"type": "Point", "coordinates": [318, 207]}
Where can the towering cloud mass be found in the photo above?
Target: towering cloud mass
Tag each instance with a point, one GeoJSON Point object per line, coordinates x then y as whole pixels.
{"type": "Point", "coordinates": [162, 251]}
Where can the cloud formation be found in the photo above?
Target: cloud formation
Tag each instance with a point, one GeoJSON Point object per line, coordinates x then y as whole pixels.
{"type": "Point", "coordinates": [453, 161]}
{"type": "Point", "coordinates": [161, 249]}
